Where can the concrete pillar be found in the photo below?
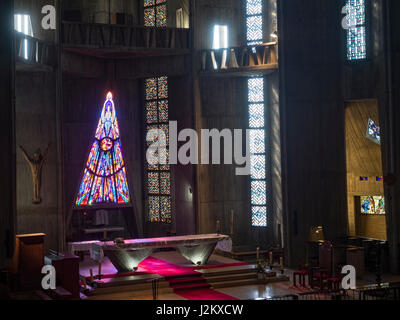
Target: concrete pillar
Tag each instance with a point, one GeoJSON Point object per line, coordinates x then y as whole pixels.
{"type": "Point", "coordinates": [7, 131]}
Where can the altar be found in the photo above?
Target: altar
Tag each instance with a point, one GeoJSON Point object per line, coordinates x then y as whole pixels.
{"type": "Point", "coordinates": [127, 255]}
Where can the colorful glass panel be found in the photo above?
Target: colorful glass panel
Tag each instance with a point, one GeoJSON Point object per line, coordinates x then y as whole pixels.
{"type": "Point", "coordinates": [153, 182]}
{"type": "Point", "coordinates": [165, 206]}
{"type": "Point", "coordinates": [257, 141]}
{"type": "Point", "coordinates": [161, 20]}
{"type": "Point", "coordinates": [374, 132]}
{"type": "Point", "coordinates": [151, 89]}
{"type": "Point", "coordinates": [163, 111]}
{"type": "Point", "coordinates": [255, 86]}
{"type": "Point", "coordinates": [155, 13]}
{"type": "Point", "coordinates": [165, 182]}
{"type": "Point", "coordinates": [93, 157]}
{"type": "Point", "coordinates": [158, 175]}
{"type": "Point", "coordinates": [154, 209]}
{"type": "Point", "coordinates": [254, 28]}
{"type": "Point", "coordinates": [259, 216]}
{"type": "Point", "coordinates": [104, 179]}
{"type": "Point", "coordinates": [356, 34]}
{"type": "Point", "coordinates": [163, 88]}
{"type": "Point", "coordinates": [258, 193]}
{"type": "Point", "coordinates": [148, 3]}
{"type": "Point", "coordinates": [256, 113]}
{"type": "Point", "coordinates": [256, 90]}
{"type": "Point", "coordinates": [257, 167]}
{"type": "Point", "coordinates": [149, 17]}
{"type": "Point", "coordinates": [151, 112]}
{"type": "Point", "coordinates": [373, 205]}
{"type": "Point", "coordinates": [253, 7]}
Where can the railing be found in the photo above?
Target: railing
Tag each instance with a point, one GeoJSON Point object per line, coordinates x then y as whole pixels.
{"type": "Point", "coordinates": [34, 51]}
{"type": "Point", "coordinates": [113, 36]}
{"type": "Point", "coordinates": [375, 292]}
{"type": "Point", "coordinates": [239, 58]}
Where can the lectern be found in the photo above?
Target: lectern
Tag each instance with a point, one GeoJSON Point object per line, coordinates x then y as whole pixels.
{"type": "Point", "coordinates": [28, 261]}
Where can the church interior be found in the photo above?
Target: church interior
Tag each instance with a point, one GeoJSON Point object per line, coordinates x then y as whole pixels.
{"type": "Point", "coordinates": [277, 120]}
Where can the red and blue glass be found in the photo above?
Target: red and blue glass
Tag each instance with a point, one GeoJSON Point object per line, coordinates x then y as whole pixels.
{"type": "Point", "coordinates": [104, 179]}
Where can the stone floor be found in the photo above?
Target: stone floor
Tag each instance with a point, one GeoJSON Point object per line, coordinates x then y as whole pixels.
{"type": "Point", "coordinates": [249, 292]}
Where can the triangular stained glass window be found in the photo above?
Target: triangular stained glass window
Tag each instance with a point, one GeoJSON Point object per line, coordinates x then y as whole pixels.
{"type": "Point", "coordinates": [104, 178]}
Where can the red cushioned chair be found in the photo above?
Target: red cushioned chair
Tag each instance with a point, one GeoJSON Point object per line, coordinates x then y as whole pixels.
{"type": "Point", "coordinates": [335, 281]}
{"type": "Point", "coordinates": [317, 277]}
{"type": "Point", "coordinates": [302, 273]}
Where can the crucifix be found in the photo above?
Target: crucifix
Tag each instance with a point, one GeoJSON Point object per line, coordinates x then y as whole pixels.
{"type": "Point", "coordinates": [36, 165]}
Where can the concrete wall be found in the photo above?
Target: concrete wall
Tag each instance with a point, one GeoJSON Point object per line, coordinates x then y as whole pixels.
{"type": "Point", "coordinates": [222, 103]}
{"type": "Point", "coordinates": [99, 11]}
{"type": "Point", "coordinates": [35, 127]}
{"type": "Point", "coordinates": [312, 123]}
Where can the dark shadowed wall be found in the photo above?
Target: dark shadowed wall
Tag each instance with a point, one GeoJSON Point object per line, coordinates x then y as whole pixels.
{"type": "Point", "coordinates": [35, 127]}
{"type": "Point", "coordinates": [312, 123]}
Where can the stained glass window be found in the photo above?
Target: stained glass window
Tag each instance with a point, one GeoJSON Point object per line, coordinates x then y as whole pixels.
{"type": "Point", "coordinates": [356, 34]}
{"type": "Point", "coordinates": [254, 22]}
{"type": "Point", "coordinates": [257, 151]}
{"type": "Point", "coordinates": [374, 132]}
{"type": "Point", "coordinates": [158, 175]}
{"type": "Point", "coordinates": [104, 178]}
{"type": "Point", "coordinates": [155, 13]}
{"type": "Point", "coordinates": [256, 105]}
{"type": "Point", "coordinates": [373, 205]}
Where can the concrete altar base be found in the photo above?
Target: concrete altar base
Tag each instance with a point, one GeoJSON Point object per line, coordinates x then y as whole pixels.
{"type": "Point", "coordinates": [127, 260]}
{"type": "Point", "coordinates": [197, 254]}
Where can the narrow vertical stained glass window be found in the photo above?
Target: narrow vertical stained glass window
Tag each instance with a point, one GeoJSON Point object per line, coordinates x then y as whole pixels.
{"type": "Point", "coordinates": [155, 13]}
{"type": "Point", "coordinates": [356, 34]}
{"type": "Point", "coordinates": [254, 22]}
{"type": "Point", "coordinates": [256, 107]}
{"type": "Point", "coordinates": [257, 151]}
{"type": "Point", "coordinates": [158, 175]}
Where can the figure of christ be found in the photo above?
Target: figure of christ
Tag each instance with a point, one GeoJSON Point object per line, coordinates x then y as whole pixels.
{"type": "Point", "coordinates": [36, 165]}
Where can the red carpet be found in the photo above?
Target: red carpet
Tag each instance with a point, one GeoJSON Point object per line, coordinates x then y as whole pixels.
{"type": "Point", "coordinates": [164, 268]}
{"type": "Point", "coordinates": [185, 281]}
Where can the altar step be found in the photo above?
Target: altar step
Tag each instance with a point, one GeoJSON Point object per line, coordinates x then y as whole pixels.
{"type": "Point", "coordinates": [209, 278]}
{"type": "Point", "coordinates": [239, 276]}
{"type": "Point", "coordinates": [124, 285]}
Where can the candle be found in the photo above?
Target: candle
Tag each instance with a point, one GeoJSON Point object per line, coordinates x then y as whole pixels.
{"type": "Point", "coordinates": [91, 275]}
{"type": "Point", "coordinates": [281, 262]}
{"type": "Point", "coordinates": [218, 226]}
{"type": "Point", "coordinates": [99, 270]}
{"type": "Point", "coordinates": [270, 258]}
{"type": "Point", "coordinates": [84, 283]}
{"type": "Point", "coordinates": [258, 253]}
